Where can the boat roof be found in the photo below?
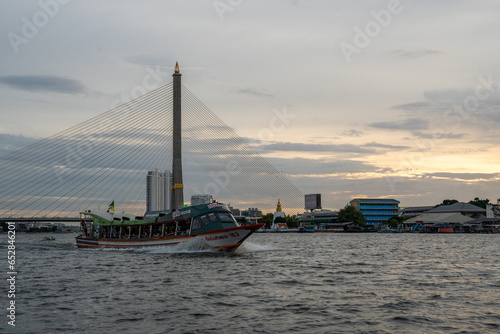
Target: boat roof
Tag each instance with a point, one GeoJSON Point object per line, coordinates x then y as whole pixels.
{"type": "Point", "coordinates": [188, 212]}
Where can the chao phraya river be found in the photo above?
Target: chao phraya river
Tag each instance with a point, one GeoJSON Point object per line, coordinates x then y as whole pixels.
{"type": "Point", "coordinates": [276, 283]}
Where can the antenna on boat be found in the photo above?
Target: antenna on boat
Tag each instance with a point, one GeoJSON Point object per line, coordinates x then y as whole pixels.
{"type": "Point", "coordinates": [177, 186]}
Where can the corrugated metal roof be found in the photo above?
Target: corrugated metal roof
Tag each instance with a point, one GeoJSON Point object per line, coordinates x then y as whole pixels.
{"type": "Point", "coordinates": [459, 207]}
{"type": "Point", "coordinates": [443, 217]}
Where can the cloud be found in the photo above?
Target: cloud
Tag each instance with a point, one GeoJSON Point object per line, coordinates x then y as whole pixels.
{"type": "Point", "coordinates": [412, 106]}
{"type": "Point", "coordinates": [491, 115]}
{"type": "Point", "coordinates": [150, 60]}
{"type": "Point", "coordinates": [448, 95]}
{"type": "Point", "coordinates": [464, 176]}
{"type": "Point", "coordinates": [9, 143]}
{"type": "Point", "coordinates": [304, 166]}
{"type": "Point", "coordinates": [254, 92]}
{"type": "Point", "coordinates": [423, 135]}
{"type": "Point", "coordinates": [455, 105]}
{"type": "Point", "coordinates": [415, 54]}
{"type": "Point", "coordinates": [301, 147]}
{"type": "Point", "coordinates": [44, 83]}
{"type": "Point", "coordinates": [344, 148]}
{"type": "Point", "coordinates": [352, 133]}
{"type": "Point", "coordinates": [392, 147]}
{"type": "Point", "coordinates": [407, 124]}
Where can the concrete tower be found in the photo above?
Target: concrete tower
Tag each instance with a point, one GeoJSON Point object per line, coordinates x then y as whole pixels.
{"type": "Point", "coordinates": [177, 186]}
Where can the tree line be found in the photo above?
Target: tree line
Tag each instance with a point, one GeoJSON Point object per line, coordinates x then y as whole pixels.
{"type": "Point", "coordinates": [476, 201]}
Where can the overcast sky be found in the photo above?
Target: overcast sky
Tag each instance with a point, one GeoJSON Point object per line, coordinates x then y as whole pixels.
{"type": "Point", "coordinates": [350, 99]}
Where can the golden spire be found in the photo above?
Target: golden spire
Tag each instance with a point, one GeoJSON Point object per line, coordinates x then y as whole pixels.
{"type": "Point", "coordinates": [176, 70]}
{"type": "Point", "coordinates": [278, 207]}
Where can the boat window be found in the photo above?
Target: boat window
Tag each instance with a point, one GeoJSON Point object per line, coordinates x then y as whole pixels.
{"type": "Point", "coordinates": [196, 224]}
{"type": "Point", "coordinates": [212, 218]}
{"type": "Point", "coordinates": [204, 220]}
{"type": "Point", "coordinates": [226, 217]}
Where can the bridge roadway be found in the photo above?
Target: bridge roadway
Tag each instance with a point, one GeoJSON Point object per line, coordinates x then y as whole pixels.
{"type": "Point", "coordinates": [40, 219]}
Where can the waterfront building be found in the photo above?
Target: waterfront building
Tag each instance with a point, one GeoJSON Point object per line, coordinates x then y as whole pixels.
{"type": "Point", "coordinates": [201, 199]}
{"type": "Point", "coordinates": [439, 218]}
{"type": "Point", "coordinates": [327, 221]}
{"type": "Point", "coordinates": [458, 217]}
{"type": "Point", "coordinates": [158, 192]}
{"type": "Point", "coordinates": [252, 212]}
{"type": "Point", "coordinates": [487, 225]}
{"type": "Point", "coordinates": [316, 217]}
{"type": "Point", "coordinates": [414, 211]}
{"type": "Point", "coordinates": [465, 209]}
{"type": "Point", "coordinates": [493, 210]}
{"type": "Point", "coordinates": [234, 211]}
{"type": "Point", "coordinates": [376, 210]}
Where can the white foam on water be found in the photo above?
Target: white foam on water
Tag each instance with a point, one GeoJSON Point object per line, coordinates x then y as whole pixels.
{"type": "Point", "coordinates": [163, 249]}
{"type": "Point", "coordinates": [250, 247]}
{"type": "Point", "coordinates": [191, 246]}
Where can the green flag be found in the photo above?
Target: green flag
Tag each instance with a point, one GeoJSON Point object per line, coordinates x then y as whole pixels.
{"type": "Point", "coordinates": [112, 207]}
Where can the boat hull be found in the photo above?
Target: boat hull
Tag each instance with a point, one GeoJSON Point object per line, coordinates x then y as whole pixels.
{"type": "Point", "coordinates": [227, 239]}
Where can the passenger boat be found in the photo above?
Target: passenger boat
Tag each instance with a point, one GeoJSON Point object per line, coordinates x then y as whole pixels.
{"type": "Point", "coordinates": [205, 226]}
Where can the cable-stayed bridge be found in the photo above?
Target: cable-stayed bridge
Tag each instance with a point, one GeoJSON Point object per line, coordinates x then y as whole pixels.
{"type": "Point", "coordinates": [106, 159]}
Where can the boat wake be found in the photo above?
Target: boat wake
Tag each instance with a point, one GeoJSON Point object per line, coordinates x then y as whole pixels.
{"type": "Point", "coordinates": [250, 247]}
{"type": "Point", "coordinates": [200, 246]}
{"type": "Point", "coordinates": [191, 247]}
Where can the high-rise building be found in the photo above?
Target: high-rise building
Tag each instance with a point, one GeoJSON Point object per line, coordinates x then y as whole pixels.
{"type": "Point", "coordinates": [158, 191]}
{"type": "Point", "coordinates": [201, 199]}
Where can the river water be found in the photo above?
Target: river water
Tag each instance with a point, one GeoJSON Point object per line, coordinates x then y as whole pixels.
{"type": "Point", "coordinates": [276, 283]}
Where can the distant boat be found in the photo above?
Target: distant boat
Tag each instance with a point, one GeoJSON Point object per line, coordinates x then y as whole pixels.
{"type": "Point", "coordinates": [446, 229]}
{"type": "Point", "coordinates": [386, 229]}
{"type": "Point", "coordinates": [307, 229]}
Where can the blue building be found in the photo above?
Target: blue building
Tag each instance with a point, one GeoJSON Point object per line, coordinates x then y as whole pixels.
{"type": "Point", "coordinates": [376, 210]}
